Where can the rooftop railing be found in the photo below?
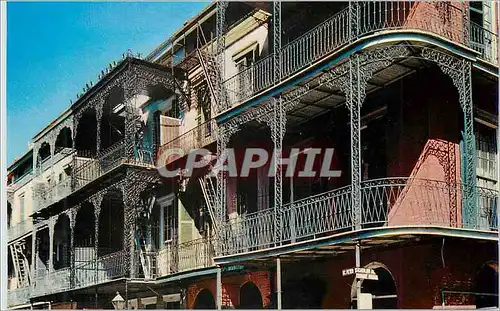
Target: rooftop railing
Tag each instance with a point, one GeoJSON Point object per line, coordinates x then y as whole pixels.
{"type": "Point", "coordinates": [385, 202]}
{"type": "Point", "coordinates": [444, 19]}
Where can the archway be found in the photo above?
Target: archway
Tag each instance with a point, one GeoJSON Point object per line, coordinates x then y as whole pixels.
{"type": "Point", "coordinates": [84, 233]}
{"type": "Point", "coordinates": [250, 297]}
{"type": "Point", "coordinates": [43, 241]}
{"type": "Point", "coordinates": [486, 285]}
{"type": "Point", "coordinates": [384, 293]}
{"type": "Point", "coordinates": [85, 140]}
{"type": "Point", "coordinates": [44, 152]}
{"type": "Point", "coordinates": [204, 300]}
{"type": "Point", "coordinates": [112, 126]}
{"type": "Point", "coordinates": [62, 238]}
{"type": "Point", "coordinates": [63, 140]}
{"type": "Point", "coordinates": [111, 223]}
{"type": "Point", "coordinates": [9, 214]}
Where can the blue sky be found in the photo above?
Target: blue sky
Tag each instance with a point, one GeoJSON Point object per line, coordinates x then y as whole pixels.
{"type": "Point", "coordinates": [53, 49]}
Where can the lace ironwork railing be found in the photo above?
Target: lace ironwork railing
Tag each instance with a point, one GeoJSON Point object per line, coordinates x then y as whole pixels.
{"type": "Point", "coordinates": [88, 168]}
{"type": "Point", "coordinates": [485, 42]}
{"type": "Point", "coordinates": [185, 256]}
{"type": "Point", "coordinates": [46, 283]}
{"type": "Point", "coordinates": [18, 296]}
{"type": "Point", "coordinates": [20, 228]}
{"type": "Point", "coordinates": [109, 267]}
{"type": "Point", "coordinates": [47, 194]}
{"type": "Point", "coordinates": [198, 137]}
{"type": "Point", "coordinates": [384, 202]}
{"type": "Point", "coordinates": [363, 18]}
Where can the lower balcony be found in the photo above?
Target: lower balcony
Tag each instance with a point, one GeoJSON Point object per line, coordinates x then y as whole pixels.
{"type": "Point", "coordinates": [172, 259]}
{"type": "Point", "coordinates": [389, 202]}
{"type": "Point", "coordinates": [18, 296]}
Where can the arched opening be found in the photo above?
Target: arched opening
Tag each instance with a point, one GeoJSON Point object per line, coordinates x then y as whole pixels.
{"type": "Point", "coordinates": [44, 153]}
{"type": "Point", "coordinates": [113, 119]}
{"type": "Point", "coordinates": [9, 214]}
{"type": "Point", "coordinates": [204, 300]}
{"type": "Point", "coordinates": [85, 233]}
{"type": "Point", "coordinates": [85, 140]}
{"type": "Point", "coordinates": [43, 241]}
{"type": "Point", "coordinates": [250, 297]}
{"type": "Point", "coordinates": [384, 294]}
{"type": "Point", "coordinates": [111, 223]}
{"type": "Point", "coordinates": [63, 140]}
{"type": "Point", "coordinates": [62, 238]}
{"type": "Point", "coordinates": [486, 286]}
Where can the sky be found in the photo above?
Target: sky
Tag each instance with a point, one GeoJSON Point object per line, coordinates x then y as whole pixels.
{"type": "Point", "coordinates": [54, 49]}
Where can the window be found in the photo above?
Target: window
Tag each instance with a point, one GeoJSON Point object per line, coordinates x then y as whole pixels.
{"type": "Point", "coordinates": [21, 207]}
{"type": "Point", "coordinates": [169, 223]}
{"type": "Point", "coordinates": [486, 155]}
{"type": "Point", "coordinates": [243, 62]}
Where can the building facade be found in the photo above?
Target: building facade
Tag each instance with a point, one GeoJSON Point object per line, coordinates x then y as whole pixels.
{"type": "Point", "coordinates": [404, 93]}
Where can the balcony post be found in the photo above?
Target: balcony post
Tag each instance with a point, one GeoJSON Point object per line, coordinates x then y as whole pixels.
{"type": "Point", "coordinates": [52, 221]}
{"type": "Point", "coordinates": [220, 30]}
{"type": "Point", "coordinates": [278, 128]}
{"type": "Point", "coordinates": [354, 105]}
{"type": "Point", "coordinates": [277, 40]}
{"type": "Point", "coordinates": [474, 215]}
{"type": "Point", "coordinates": [72, 222]}
{"type": "Point", "coordinates": [278, 282]}
{"type": "Point", "coordinates": [219, 288]}
{"type": "Point", "coordinates": [97, 211]}
{"type": "Point", "coordinates": [98, 116]}
{"type": "Point", "coordinates": [34, 255]}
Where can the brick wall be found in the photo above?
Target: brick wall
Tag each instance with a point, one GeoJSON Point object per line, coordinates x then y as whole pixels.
{"type": "Point", "coordinates": [231, 288]}
{"type": "Point", "coordinates": [418, 271]}
{"type": "Point", "coordinates": [444, 18]}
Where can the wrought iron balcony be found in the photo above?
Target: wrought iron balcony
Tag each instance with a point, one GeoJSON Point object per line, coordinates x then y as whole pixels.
{"type": "Point", "coordinates": [45, 194]}
{"type": "Point", "coordinates": [176, 258]}
{"type": "Point", "coordinates": [198, 137]}
{"type": "Point", "coordinates": [88, 168]}
{"type": "Point", "coordinates": [46, 283]}
{"type": "Point", "coordinates": [385, 203]}
{"type": "Point", "coordinates": [446, 20]}
{"type": "Point", "coordinates": [20, 228]}
{"type": "Point", "coordinates": [18, 296]}
{"type": "Point", "coordinates": [485, 42]}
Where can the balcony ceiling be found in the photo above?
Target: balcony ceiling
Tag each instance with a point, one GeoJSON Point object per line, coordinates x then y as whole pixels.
{"type": "Point", "coordinates": [322, 99]}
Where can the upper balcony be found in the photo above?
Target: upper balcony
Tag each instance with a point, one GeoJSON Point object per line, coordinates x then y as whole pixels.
{"type": "Point", "coordinates": [389, 203]}
{"type": "Point", "coordinates": [447, 20]}
{"type": "Point", "coordinates": [198, 137]}
{"type": "Point", "coordinates": [19, 229]}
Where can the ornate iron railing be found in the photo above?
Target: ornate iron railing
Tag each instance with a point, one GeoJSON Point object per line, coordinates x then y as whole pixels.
{"type": "Point", "coordinates": [48, 194]}
{"type": "Point", "coordinates": [183, 257]}
{"type": "Point", "coordinates": [361, 19]}
{"type": "Point", "coordinates": [18, 296]}
{"type": "Point", "coordinates": [89, 168]}
{"type": "Point", "coordinates": [485, 42]}
{"type": "Point", "coordinates": [46, 283]}
{"type": "Point", "coordinates": [198, 137]}
{"type": "Point", "coordinates": [384, 202]}
{"type": "Point", "coordinates": [20, 228]}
